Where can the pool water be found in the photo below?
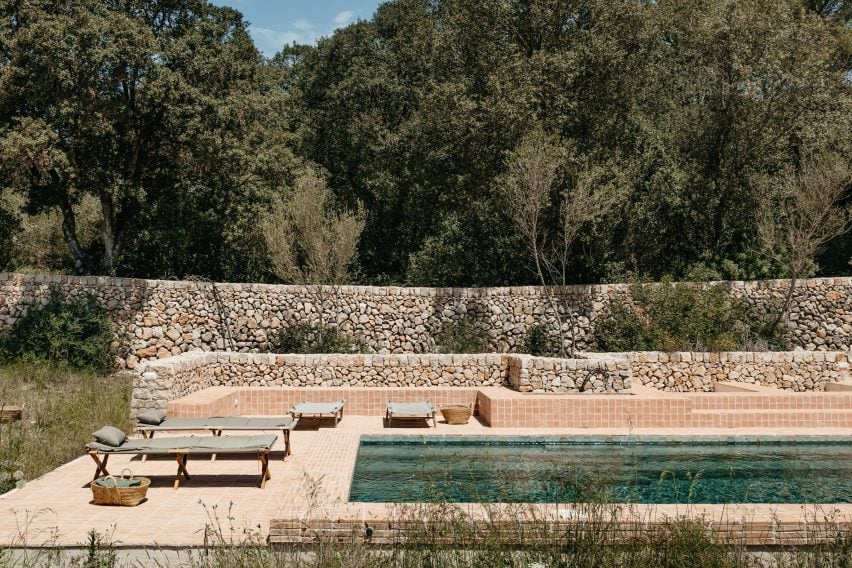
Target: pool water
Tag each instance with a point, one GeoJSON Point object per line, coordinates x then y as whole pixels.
{"type": "Point", "coordinates": [619, 469]}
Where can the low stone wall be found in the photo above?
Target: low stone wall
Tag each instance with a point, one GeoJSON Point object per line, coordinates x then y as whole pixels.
{"type": "Point", "coordinates": [696, 372]}
{"type": "Point", "coordinates": [175, 377]}
{"type": "Point", "coordinates": [168, 379]}
{"type": "Point", "coordinates": [545, 374]}
{"type": "Point", "coordinates": [158, 319]}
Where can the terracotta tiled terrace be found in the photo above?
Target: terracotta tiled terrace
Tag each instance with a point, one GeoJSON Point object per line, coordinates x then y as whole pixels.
{"type": "Point", "coordinates": [313, 483]}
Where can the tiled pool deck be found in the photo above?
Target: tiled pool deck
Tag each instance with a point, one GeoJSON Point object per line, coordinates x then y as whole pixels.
{"type": "Point", "coordinates": [311, 484]}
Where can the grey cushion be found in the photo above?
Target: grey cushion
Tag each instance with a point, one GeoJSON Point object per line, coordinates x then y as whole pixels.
{"type": "Point", "coordinates": [117, 482]}
{"type": "Point", "coordinates": [110, 436]}
{"type": "Point", "coordinates": [317, 407]}
{"type": "Point", "coordinates": [152, 417]}
{"type": "Point", "coordinates": [190, 444]}
{"type": "Point", "coordinates": [411, 408]}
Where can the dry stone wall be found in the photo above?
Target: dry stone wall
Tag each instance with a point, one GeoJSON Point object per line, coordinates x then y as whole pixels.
{"type": "Point", "coordinates": [160, 319]}
{"type": "Point", "coordinates": [546, 374]}
{"type": "Point", "coordinates": [158, 382]}
{"type": "Point", "coordinates": [174, 377]}
{"type": "Point", "coordinates": [696, 372]}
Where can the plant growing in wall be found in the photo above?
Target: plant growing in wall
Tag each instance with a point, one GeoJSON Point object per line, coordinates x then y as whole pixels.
{"type": "Point", "coordinates": [304, 338]}
{"type": "Point", "coordinates": [465, 336]}
{"type": "Point", "coordinates": [678, 317]}
{"type": "Point", "coordinates": [310, 242]}
{"type": "Point", "coordinates": [537, 341]}
{"type": "Point", "coordinates": [551, 198]}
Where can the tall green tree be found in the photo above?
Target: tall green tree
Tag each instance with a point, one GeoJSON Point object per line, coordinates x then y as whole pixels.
{"type": "Point", "coordinates": [414, 112]}
{"type": "Point", "coordinates": [162, 110]}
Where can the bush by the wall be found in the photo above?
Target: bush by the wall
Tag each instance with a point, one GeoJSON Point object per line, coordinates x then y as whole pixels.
{"type": "Point", "coordinates": [538, 342]}
{"type": "Point", "coordinates": [465, 336]}
{"type": "Point", "coordinates": [623, 329]}
{"type": "Point", "coordinates": [679, 317]}
{"type": "Point", "coordinates": [305, 338]}
{"type": "Point", "coordinates": [78, 334]}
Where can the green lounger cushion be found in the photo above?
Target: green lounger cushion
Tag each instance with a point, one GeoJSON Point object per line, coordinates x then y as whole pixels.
{"type": "Point", "coordinates": [317, 407]}
{"type": "Point", "coordinates": [250, 423]}
{"type": "Point", "coordinates": [153, 417]}
{"type": "Point", "coordinates": [222, 423]}
{"type": "Point", "coordinates": [110, 436]}
{"type": "Point", "coordinates": [176, 424]}
{"type": "Point", "coordinates": [117, 482]}
{"type": "Point", "coordinates": [411, 408]}
{"type": "Point", "coordinates": [190, 444]}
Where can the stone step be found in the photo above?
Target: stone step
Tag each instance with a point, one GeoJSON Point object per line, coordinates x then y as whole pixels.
{"type": "Point", "coordinates": [808, 418]}
{"type": "Point", "coordinates": [773, 411]}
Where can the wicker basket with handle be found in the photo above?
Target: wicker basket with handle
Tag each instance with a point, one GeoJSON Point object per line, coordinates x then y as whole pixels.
{"type": "Point", "coordinates": [124, 496]}
{"type": "Point", "coordinates": [456, 413]}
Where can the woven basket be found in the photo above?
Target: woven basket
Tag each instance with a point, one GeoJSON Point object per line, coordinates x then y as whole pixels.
{"type": "Point", "coordinates": [9, 413]}
{"type": "Point", "coordinates": [124, 496]}
{"type": "Point", "coordinates": [456, 413]}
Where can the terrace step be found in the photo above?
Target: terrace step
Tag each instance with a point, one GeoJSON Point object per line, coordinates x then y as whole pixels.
{"type": "Point", "coordinates": [792, 418]}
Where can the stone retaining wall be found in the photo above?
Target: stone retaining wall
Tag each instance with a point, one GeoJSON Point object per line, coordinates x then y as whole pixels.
{"type": "Point", "coordinates": [696, 372]}
{"type": "Point", "coordinates": [159, 319]}
{"type": "Point", "coordinates": [159, 382]}
{"type": "Point", "coordinates": [545, 374]}
{"type": "Point", "coordinates": [175, 377]}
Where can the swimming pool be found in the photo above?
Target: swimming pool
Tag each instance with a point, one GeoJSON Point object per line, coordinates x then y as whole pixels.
{"type": "Point", "coordinates": [398, 469]}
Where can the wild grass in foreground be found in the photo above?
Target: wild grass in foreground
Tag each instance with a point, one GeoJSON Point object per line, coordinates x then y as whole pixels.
{"type": "Point", "coordinates": [448, 536]}
{"type": "Point", "coordinates": [61, 410]}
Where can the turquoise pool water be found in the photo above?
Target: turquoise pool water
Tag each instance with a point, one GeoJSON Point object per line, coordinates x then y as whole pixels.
{"type": "Point", "coordinates": [637, 470]}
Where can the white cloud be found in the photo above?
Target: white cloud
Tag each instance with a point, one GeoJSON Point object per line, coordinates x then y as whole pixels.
{"type": "Point", "coordinates": [270, 41]}
{"type": "Point", "coordinates": [344, 17]}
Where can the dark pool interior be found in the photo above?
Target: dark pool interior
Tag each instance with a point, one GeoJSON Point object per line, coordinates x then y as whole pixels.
{"type": "Point", "coordinates": [618, 469]}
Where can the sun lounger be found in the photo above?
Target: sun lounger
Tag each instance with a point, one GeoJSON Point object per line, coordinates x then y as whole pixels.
{"type": "Point", "coordinates": [183, 446]}
{"type": "Point", "coordinates": [411, 410]}
{"type": "Point", "coordinates": [217, 424]}
{"type": "Point", "coordinates": [319, 409]}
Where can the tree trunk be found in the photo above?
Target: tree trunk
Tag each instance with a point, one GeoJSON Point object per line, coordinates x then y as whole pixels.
{"type": "Point", "coordinates": [69, 229]}
{"type": "Point", "coordinates": [553, 305]}
{"type": "Point", "coordinates": [110, 235]}
{"type": "Point", "coordinates": [788, 299]}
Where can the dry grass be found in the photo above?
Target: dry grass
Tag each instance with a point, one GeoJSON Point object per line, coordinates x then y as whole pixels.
{"type": "Point", "coordinates": [61, 410]}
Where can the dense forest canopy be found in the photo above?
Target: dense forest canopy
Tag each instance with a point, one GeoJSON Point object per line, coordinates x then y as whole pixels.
{"type": "Point", "coordinates": [149, 138]}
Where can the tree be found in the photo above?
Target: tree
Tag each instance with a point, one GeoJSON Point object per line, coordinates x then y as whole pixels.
{"type": "Point", "coordinates": [309, 243]}
{"type": "Point", "coordinates": [535, 175]}
{"type": "Point", "coordinates": [807, 213]}
{"type": "Point", "coordinates": [153, 108]}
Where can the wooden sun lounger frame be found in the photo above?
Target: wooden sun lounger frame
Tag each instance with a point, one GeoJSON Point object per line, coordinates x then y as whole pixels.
{"type": "Point", "coordinates": [181, 456]}
{"type": "Point", "coordinates": [389, 416]}
{"type": "Point", "coordinates": [148, 433]}
{"type": "Point", "coordinates": [337, 415]}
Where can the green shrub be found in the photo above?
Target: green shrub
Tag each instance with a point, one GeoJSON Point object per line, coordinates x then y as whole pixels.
{"type": "Point", "coordinates": [622, 329]}
{"type": "Point", "coordinates": [679, 317]}
{"type": "Point", "coordinates": [465, 336]}
{"type": "Point", "coordinates": [78, 334]}
{"type": "Point", "coordinates": [306, 338]}
{"type": "Point", "coordinates": [538, 342]}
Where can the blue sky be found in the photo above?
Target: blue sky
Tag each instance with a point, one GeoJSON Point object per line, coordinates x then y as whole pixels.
{"type": "Point", "coordinates": [276, 22]}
